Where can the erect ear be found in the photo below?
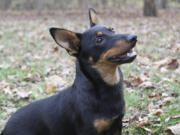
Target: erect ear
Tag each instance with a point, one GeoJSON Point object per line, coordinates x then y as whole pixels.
{"type": "Point", "coordinates": [92, 17]}
{"type": "Point", "coordinates": [67, 39]}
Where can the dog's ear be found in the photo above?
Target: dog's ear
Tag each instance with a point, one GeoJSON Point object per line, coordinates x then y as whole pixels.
{"type": "Point", "coordinates": [92, 17]}
{"type": "Point", "coordinates": [67, 39]}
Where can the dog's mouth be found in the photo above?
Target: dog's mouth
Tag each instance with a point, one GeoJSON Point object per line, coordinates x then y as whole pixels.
{"type": "Point", "coordinates": [126, 57]}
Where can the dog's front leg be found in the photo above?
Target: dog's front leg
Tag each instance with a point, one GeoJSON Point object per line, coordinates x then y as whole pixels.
{"type": "Point", "coordinates": [119, 129]}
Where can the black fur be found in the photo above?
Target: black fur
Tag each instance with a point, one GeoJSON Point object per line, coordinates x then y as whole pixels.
{"type": "Point", "coordinates": [74, 110]}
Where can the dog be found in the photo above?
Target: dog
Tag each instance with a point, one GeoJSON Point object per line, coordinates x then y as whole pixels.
{"type": "Point", "coordinates": [94, 104]}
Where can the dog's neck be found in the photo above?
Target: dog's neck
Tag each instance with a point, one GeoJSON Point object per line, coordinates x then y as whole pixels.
{"type": "Point", "coordinates": [90, 78]}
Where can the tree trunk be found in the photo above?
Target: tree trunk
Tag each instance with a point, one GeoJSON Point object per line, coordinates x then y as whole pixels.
{"type": "Point", "coordinates": [5, 4]}
{"type": "Point", "coordinates": [150, 8]}
{"type": "Point", "coordinates": [164, 4]}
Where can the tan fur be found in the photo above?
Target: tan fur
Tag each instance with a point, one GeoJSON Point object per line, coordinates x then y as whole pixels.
{"type": "Point", "coordinates": [109, 71]}
{"type": "Point", "coordinates": [108, 27]}
{"type": "Point", "coordinates": [64, 38]}
{"type": "Point", "coordinates": [99, 34]}
{"type": "Point", "coordinates": [120, 48]}
{"type": "Point", "coordinates": [104, 124]}
{"type": "Point", "coordinates": [93, 17]}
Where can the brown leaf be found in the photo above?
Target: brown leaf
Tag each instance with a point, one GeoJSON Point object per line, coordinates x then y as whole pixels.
{"type": "Point", "coordinates": [157, 112]}
{"type": "Point", "coordinates": [161, 63]}
{"type": "Point", "coordinates": [136, 81]}
{"type": "Point", "coordinates": [154, 96]}
{"type": "Point", "coordinates": [55, 49]}
{"type": "Point", "coordinates": [175, 130]}
{"type": "Point", "coordinates": [143, 123]}
{"type": "Point", "coordinates": [27, 79]}
{"type": "Point", "coordinates": [173, 64]}
{"type": "Point", "coordinates": [73, 60]}
{"type": "Point", "coordinates": [50, 89]}
{"type": "Point", "coordinates": [132, 118]}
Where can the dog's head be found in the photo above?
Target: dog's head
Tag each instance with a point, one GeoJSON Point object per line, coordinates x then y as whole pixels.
{"type": "Point", "coordinates": [98, 46]}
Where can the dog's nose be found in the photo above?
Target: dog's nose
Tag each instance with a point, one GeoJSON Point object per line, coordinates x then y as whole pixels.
{"type": "Point", "coordinates": [131, 38]}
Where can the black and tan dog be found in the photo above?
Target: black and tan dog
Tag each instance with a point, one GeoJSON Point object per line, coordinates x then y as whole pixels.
{"type": "Point", "coordinates": [94, 104]}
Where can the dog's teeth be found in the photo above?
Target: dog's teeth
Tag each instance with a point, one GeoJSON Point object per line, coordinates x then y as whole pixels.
{"type": "Point", "coordinates": [131, 54]}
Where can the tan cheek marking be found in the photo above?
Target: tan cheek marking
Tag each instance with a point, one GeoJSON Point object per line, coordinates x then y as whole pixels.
{"type": "Point", "coordinates": [102, 125]}
{"type": "Point", "coordinates": [109, 71]}
{"type": "Point", "coordinates": [99, 34]}
{"type": "Point", "coordinates": [120, 48]}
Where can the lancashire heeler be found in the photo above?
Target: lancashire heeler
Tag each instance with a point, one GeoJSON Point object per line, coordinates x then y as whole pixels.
{"type": "Point", "coordinates": [94, 104]}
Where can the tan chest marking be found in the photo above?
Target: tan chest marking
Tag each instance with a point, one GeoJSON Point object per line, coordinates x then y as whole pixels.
{"type": "Point", "coordinates": [104, 124]}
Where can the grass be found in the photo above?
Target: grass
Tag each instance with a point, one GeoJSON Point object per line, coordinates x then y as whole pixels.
{"type": "Point", "coordinates": [29, 57]}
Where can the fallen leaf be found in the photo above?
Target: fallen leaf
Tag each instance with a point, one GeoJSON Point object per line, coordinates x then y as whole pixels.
{"type": "Point", "coordinates": [154, 96]}
{"type": "Point", "coordinates": [132, 118]}
{"type": "Point", "coordinates": [55, 49]}
{"type": "Point", "coordinates": [23, 94]}
{"type": "Point", "coordinates": [27, 79]}
{"type": "Point", "coordinates": [173, 64]}
{"type": "Point", "coordinates": [175, 130]}
{"type": "Point", "coordinates": [164, 94]}
{"type": "Point", "coordinates": [158, 112]}
{"type": "Point", "coordinates": [50, 89]}
{"type": "Point", "coordinates": [146, 85]}
{"type": "Point", "coordinates": [9, 110]}
{"type": "Point", "coordinates": [136, 81]}
{"type": "Point", "coordinates": [167, 119]}
{"type": "Point", "coordinates": [73, 60]}
{"type": "Point", "coordinates": [176, 116]}
{"type": "Point", "coordinates": [53, 82]}
{"type": "Point", "coordinates": [168, 100]}
{"type": "Point", "coordinates": [144, 60]}
{"type": "Point", "coordinates": [172, 117]}
{"type": "Point", "coordinates": [7, 90]}
{"type": "Point", "coordinates": [143, 123]}
{"type": "Point", "coordinates": [4, 84]}
{"type": "Point", "coordinates": [161, 63]}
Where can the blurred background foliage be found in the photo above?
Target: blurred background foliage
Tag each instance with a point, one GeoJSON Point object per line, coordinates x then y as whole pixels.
{"type": "Point", "coordinates": [41, 5]}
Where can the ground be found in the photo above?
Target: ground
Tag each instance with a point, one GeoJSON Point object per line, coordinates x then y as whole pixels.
{"type": "Point", "coordinates": [33, 67]}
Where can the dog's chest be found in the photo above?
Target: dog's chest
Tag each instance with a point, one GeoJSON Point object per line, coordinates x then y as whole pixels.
{"type": "Point", "coordinates": [103, 125]}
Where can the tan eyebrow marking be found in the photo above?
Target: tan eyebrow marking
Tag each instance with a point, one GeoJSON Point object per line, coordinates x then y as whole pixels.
{"type": "Point", "coordinates": [109, 28]}
{"type": "Point", "coordinates": [99, 34]}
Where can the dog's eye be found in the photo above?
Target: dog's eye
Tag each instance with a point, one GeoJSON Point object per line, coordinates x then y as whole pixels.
{"type": "Point", "coordinates": [112, 29]}
{"type": "Point", "coordinates": [99, 39]}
